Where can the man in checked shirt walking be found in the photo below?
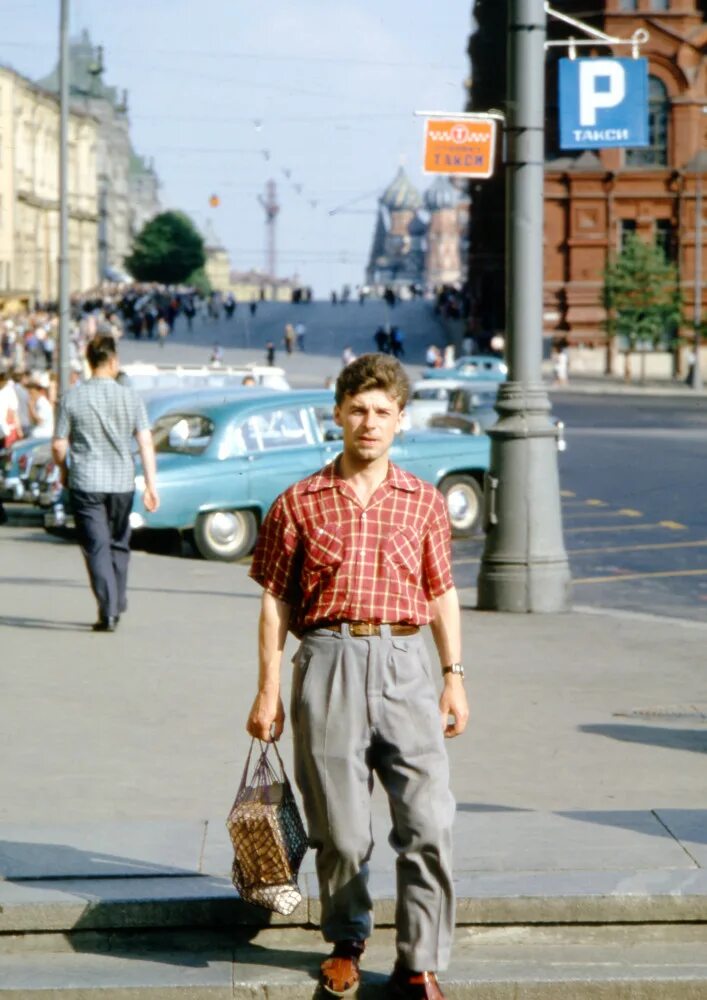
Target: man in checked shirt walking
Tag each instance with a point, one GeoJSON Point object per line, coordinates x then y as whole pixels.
{"type": "Point", "coordinates": [97, 422]}
{"type": "Point", "coordinates": [354, 560]}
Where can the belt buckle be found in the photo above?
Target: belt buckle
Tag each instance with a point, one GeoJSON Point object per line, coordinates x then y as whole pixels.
{"type": "Point", "coordinates": [361, 629]}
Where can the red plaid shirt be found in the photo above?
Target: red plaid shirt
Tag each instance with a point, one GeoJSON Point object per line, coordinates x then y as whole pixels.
{"type": "Point", "coordinates": [332, 559]}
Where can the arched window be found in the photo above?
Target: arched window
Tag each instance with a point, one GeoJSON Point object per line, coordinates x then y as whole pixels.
{"type": "Point", "coordinates": [656, 153]}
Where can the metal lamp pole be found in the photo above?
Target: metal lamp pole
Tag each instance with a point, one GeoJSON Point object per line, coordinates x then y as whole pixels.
{"type": "Point", "coordinates": [524, 567]}
{"type": "Point", "coordinates": [696, 381]}
{"type": "Point", "coordinates": [63, 352]}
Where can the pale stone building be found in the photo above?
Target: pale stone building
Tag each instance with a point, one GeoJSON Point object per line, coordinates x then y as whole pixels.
{"type": "Point", "coordinates": [29, 193]}
{"type": "Point", "coordinates": [218, 264]}
{"type": "Point", "coordinates": [121, 175]}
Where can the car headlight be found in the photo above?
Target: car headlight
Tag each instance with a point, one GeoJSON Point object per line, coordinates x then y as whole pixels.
{"type": "Point", "coordinates": [136, 520]}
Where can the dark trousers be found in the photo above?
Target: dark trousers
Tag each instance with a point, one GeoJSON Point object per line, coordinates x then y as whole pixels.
{"type": "Point", "coordinates": [103, 528]}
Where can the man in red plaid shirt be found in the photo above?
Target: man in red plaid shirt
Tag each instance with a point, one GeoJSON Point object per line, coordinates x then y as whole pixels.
{"type": "Point", "coordinates": [354, 559]}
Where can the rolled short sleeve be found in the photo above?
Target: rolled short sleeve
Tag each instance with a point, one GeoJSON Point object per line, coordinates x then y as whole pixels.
{"type": "Point", "coordinates": [437, 576]}
{"type": "Point", "coordinates": [277, 557]}
{"type": "Point", "coordinates": [62, 421]}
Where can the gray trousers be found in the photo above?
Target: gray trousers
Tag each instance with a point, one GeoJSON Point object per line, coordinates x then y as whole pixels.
{"type": "Point", "coordinates": [362, 706]}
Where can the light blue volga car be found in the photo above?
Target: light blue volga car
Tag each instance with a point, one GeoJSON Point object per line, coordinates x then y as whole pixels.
{"type": "Point", "coordinates": [220, 466]}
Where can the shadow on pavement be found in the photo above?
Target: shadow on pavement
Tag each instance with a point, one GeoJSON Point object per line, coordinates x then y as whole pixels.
{"type": "Point", "coordinates": [682, 824]}
{"type": "Point", "coordinates": [15, 621]}
{"type": "Point", "coordinates": [659, 736]}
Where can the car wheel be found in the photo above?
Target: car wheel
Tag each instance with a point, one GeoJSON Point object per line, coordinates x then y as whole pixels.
{"type": "Point", "coordinates": [464, 503]}
{"type": "Point", "coordinates": [225, 535]}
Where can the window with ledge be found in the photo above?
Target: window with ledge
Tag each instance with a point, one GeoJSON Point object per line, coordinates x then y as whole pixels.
{"type": "Point", "coordinates": [660, 4]}
{"type": "Point", "coordinates": [655, 154]}
{"type": "Point", "coordinates": [627, 228]}
{"type": "Point", "coordinates": [628, 5]}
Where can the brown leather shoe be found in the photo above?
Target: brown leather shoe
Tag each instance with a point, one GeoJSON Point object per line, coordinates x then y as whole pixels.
{"type": "Point", "coordinates": [407, 985]}
{"type": "Point", "coordinates": [340, 971]}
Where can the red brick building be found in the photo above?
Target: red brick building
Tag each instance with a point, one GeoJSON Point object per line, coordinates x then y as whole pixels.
{"type": "Point", "coordinates": [594, 199]}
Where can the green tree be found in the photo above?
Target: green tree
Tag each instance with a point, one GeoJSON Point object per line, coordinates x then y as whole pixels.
{"type": "Point", "coordinates": [167, 249]}
{"type": "Point", "coordinates": [642, 298]}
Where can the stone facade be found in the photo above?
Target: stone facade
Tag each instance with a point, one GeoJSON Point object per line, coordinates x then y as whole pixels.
{"type": "Point", "coordinates": [410, 248]}
{"type": "Point", "coordinates": [29, 193]}
{"type": "Point", "coordinates": [126, 192]}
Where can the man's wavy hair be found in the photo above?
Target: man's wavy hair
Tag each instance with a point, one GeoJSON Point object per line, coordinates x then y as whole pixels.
{"type": "Point", "coordinates": [373, 371]}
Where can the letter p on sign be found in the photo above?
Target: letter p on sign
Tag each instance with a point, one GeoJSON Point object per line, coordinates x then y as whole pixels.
{"type": "Point", "coordinates": [591, 97]}
{"type": "Point", "coordinates": [603, 103]}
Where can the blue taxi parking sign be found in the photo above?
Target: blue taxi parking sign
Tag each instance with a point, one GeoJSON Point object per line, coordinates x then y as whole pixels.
{"type": "Point", "coordinates": [603, 103]}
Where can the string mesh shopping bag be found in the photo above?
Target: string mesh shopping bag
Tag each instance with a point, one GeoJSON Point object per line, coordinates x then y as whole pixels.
{"type": "Point", "coordinates": [268, 837]}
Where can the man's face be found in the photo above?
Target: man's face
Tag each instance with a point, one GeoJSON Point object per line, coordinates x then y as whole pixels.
{"type": "Point", "coordinates": [370, 420]}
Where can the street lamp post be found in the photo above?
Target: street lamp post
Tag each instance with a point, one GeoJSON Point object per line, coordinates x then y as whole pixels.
{"type": "Point", "coordinates": [63, 352]}
{"type": "Point", "coordinates": [696, 381]}
{"type": "Point", "coordinates": [524, 567]}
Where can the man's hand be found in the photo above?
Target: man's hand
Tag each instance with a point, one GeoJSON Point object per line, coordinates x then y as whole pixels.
{"type": "Point", "coordinates": [151, 499]}
{"type": "Point", "coordinates": [453, 702]}
{"type": "Point", "coordinates": [267, 717]}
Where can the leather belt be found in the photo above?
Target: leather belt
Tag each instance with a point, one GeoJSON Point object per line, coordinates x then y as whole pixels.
{"type": "Point", "coordinates": [361, 629]}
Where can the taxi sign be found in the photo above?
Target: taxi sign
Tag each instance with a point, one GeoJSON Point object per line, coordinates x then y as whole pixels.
{"type": "Point", "coordinates": [464, 146]}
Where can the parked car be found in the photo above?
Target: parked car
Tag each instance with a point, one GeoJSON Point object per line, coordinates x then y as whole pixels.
{"type": "Point", "coordinates": [470, 409]}
{"type": "Point", "coordinates": [47, 488]}
{"type": "Point", "coordinates": [484, 367]}
{"type": "Point", "coordinates": [147, 378]}
{"type": "Point", "coordinates": [220, 467]}
{"type": "Point", "coordinates": [20, 467]}
{"type": "Point", "coordinates": [427, 399]}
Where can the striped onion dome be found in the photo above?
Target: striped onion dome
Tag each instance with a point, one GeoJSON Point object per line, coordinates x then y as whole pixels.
{"type": "Point", "coordinates": [441, 194]}
{"type": "Point", "coordinates": [401, 194]}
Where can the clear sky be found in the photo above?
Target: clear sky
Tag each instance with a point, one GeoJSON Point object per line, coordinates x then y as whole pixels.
{"type": "Point", "coordinates": [226, 94]}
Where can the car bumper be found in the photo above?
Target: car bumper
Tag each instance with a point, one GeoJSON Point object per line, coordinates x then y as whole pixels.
{"type": "Point", "coordinates": [58, 517]}
{"type": "Point", "coordinates": [12, 489]}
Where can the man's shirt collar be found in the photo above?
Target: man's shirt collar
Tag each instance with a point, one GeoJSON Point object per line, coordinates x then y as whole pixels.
{"type": "Point", "coordinates": [329, 478]}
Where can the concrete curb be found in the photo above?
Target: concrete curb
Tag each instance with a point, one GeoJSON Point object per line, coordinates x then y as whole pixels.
{"type": "Point", "coordinates": [78, 905]}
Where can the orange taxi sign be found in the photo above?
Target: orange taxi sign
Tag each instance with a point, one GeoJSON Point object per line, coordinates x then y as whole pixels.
{"type": "Point", "coordinates": [464, 147]}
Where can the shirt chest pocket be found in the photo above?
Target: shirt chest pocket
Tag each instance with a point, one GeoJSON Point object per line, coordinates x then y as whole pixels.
{"type": "Point", "coordinates": [324, 549]}
{"type": "Point", "coordinates": [401, 555]}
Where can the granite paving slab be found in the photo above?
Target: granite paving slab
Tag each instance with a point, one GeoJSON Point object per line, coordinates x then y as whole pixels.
{"type": "Point", "coordinates": [689, 827]}
{"type": "Point", "coordinates": [98, 850]}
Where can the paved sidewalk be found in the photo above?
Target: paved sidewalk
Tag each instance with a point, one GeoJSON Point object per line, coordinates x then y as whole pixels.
{"type": "Point", "coordinates": [582, 770]}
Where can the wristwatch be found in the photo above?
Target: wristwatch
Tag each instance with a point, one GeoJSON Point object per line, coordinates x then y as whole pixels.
{"type": "Point", "coordinates": [454, 668]}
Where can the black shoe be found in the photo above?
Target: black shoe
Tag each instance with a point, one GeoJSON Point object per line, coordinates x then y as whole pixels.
{"type": "Point", "coordinates": [106, 624]}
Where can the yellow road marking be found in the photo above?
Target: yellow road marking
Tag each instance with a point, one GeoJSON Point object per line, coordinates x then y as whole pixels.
{"type": "Point", "coordinates": [639, 548]}
{"type": "Point", "coordinates": [670, 525]}
{"type": "Point", "coordinates": [640, 576]}
{"type": "Point", "coordinates": [596, 503]}
{"type": "Point", "coordinates": [567, 493]}
{"type": "Point", "coordinates": [611, 549]}
{"type": "Point", "coordinates": [626, 512]}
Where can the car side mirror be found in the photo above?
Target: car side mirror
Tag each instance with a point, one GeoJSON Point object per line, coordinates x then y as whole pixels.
{"type": "Point", "coordinates": [334, 434]}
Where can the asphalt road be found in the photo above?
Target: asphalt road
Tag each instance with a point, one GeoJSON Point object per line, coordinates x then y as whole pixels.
{"type": "Point", "coordinates": [634, 502]}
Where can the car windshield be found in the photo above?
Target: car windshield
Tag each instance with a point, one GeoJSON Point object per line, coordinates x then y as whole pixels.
{"type": "Point", "coordinates": [182, 433]}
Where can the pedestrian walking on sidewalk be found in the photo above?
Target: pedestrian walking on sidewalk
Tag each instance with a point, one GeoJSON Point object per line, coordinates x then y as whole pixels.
{"type": "Point", "coordinates": [95, 427]}
{"type": "Point", "coordinates": [354, 560]}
